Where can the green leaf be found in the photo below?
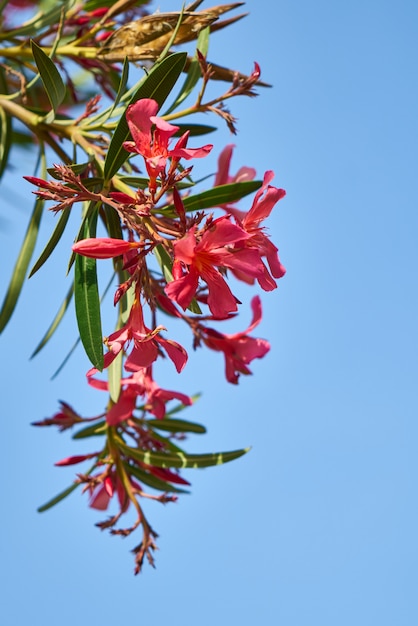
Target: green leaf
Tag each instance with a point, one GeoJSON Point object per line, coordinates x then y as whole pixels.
{"type": "Point", "coordinates": [21, 266]}
{"type": "Point", "coordinates": [77, 341]}
{"type": "Point", "coordinates": [98, 4]}
{"type": "Point", "coordinates": [223, 194]}
{"type": "Point", "coordinates": [122, 85]}
{"type": "Point", "coordinates": [51, 78]}
{"type": "Point", "coordinates": [181, 459]}
{"type": "Point", "coordinates": [22, 138]}
{"type": "Point", "coordinates": [50, 246]}
{"type": "Point", "coordinates": [6, 130]}
{"type": "Point", "coordinates": [143, 182]}
{"type": "Point", "coordinates": [167, 443]}
{"type": "Point", "coordinates": [66, 359]}
{"type": "Point", "coordinates": [94, 430]}
{"type": "Point", "coordinates": [135, 181]}
{"type": "Point", "coordinates": [164, 261]}
{"type": "Point", "coordinates": [194, 129]}
{"type": "Point", "coordinates": [172, 39]}
{"type": "Point", "coordinates": [87, 301]}
{"type": "Point", "coordinates": [55, 322]}
{"type": "Point", "coordinates": [63, 494]}
{"type": "Point", "coordinates": [194, 73]}
{"type": "Point", "coordinates": [58, 498]}
{"type": "Point", "coordinates": [112, 222]}
{"type": "Point", "coordinates": [177, 426]}
{"type": "Point", "coordinates": [151, 480]}
{"type": "Point", "coordinates": [157, 85]}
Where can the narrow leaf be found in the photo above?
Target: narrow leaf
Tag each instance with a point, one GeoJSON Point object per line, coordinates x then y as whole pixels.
{"type": "Point", "coordinates": [77, 341]}
{"type": "Point", "coordinates": [51, 78]}
{"type": "Point", "coordinates": [50, 246]}
{"type": "Point", "coordinates": [94, 430]}
{"type": "Point", "coordinates": [55, 322]}
{"type": "Point", "coordinates": [156, 85]}
{"type": "Point", "coordinates": [217, 196]}
{"type": "Point", "coordinates": [181, 459]}
{"type": "Point", "coordinates": [87, 301]}
{"type": "Point", "coordinates": [66, 359]}
{"type": "Point", "coordinates": [194, 72]}
{"type": "Point", "coordinates": [164, 261]}
{"type": "Point", "coordinates": [112, 222]}
{"type": "Point", "coordinates": [58, 498]}
{"type": "Point", "coordinates": [177, 426]}
{"type": "Point", "coordinates": [172, 39]}
{"type": "Point", "coordinates": [194, 129]}
{"type": "Point", "coordinates": [122, 85]}
{"type": "Point", "coordinates": [21, 266]}
{"type": "Point", "coordinates": [152, 481]}
{"type": "Point", "coordinates": [6, 130]}
{"type": "Point", "coordinates": [142, 182]}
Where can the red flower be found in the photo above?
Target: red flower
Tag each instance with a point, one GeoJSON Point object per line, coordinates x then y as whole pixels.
{"type": "Point", "coordinates": [78, 458]}
{"type": "Point", "coordinates": [65, 418]}
{"type": "Point", "coordinates": [222, 175]}
{"type": "Point", "coordinates": [199, 256]}
{"type": "Point", "coordinates": [156, 398]}
{"type": "Point", "coordinates": [239, 349]}
{"type": "Point", "coordinates": [146, 344]}
{"type": "Point", "coordinates": [153, 145]}
{"type": "Point", "coordinates": [104, 247]}
{"type": "Point", "coordinates": [140, 384]}
{"type": "Point", "coordinates": [265, 199]}
{"type": "Point", "coordinates": [103, 493]}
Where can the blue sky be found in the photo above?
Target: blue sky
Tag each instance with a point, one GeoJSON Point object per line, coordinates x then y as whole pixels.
{"type": "Point", "coordinates": [318, 523]}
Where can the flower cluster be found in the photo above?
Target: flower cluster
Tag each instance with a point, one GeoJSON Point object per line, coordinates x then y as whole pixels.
{"type": "Point", "coordinates": [198, 252]}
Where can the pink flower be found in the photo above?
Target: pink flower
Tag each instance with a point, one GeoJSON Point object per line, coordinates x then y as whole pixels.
{"type": "Point", "coordinates": [156, 398]}
{"type": "Point", "coordinates": [224, 178]}
{"type": "Point", "coordinates": [104, 247]}
{"type": "Point", "coordinates": [65, 418]}
{"type": "Point", "coordinates": [153, 145]}
{"type": "Point", "coordinates": [264, 201]}
{"type": "Point", "coordinates": [199, 256]}
{"type": "Point", "coordinates": [101, 495]}
{"type": "Point", "coordinates": [222, 175]}
{"type": "Point", "coordinates": [140, 385]}
{"type": "Point", "coordinates": [122, 409]}
{"type": "Point", "coordinates": [78, 458]}
{"type": "Point", "coordinates": [146, 344]}
{"type": "Point", "coordinates": [239, 349]}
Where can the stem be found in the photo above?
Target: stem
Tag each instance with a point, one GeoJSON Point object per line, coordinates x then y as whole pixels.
{"type": "Point", "coordinates": [69, 50]}
{"type": "Point", "coordinates": [115, 454]}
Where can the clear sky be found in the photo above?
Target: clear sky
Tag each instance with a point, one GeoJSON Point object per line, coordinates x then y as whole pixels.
{"type": "Point", "coordinates": [317, 525]}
